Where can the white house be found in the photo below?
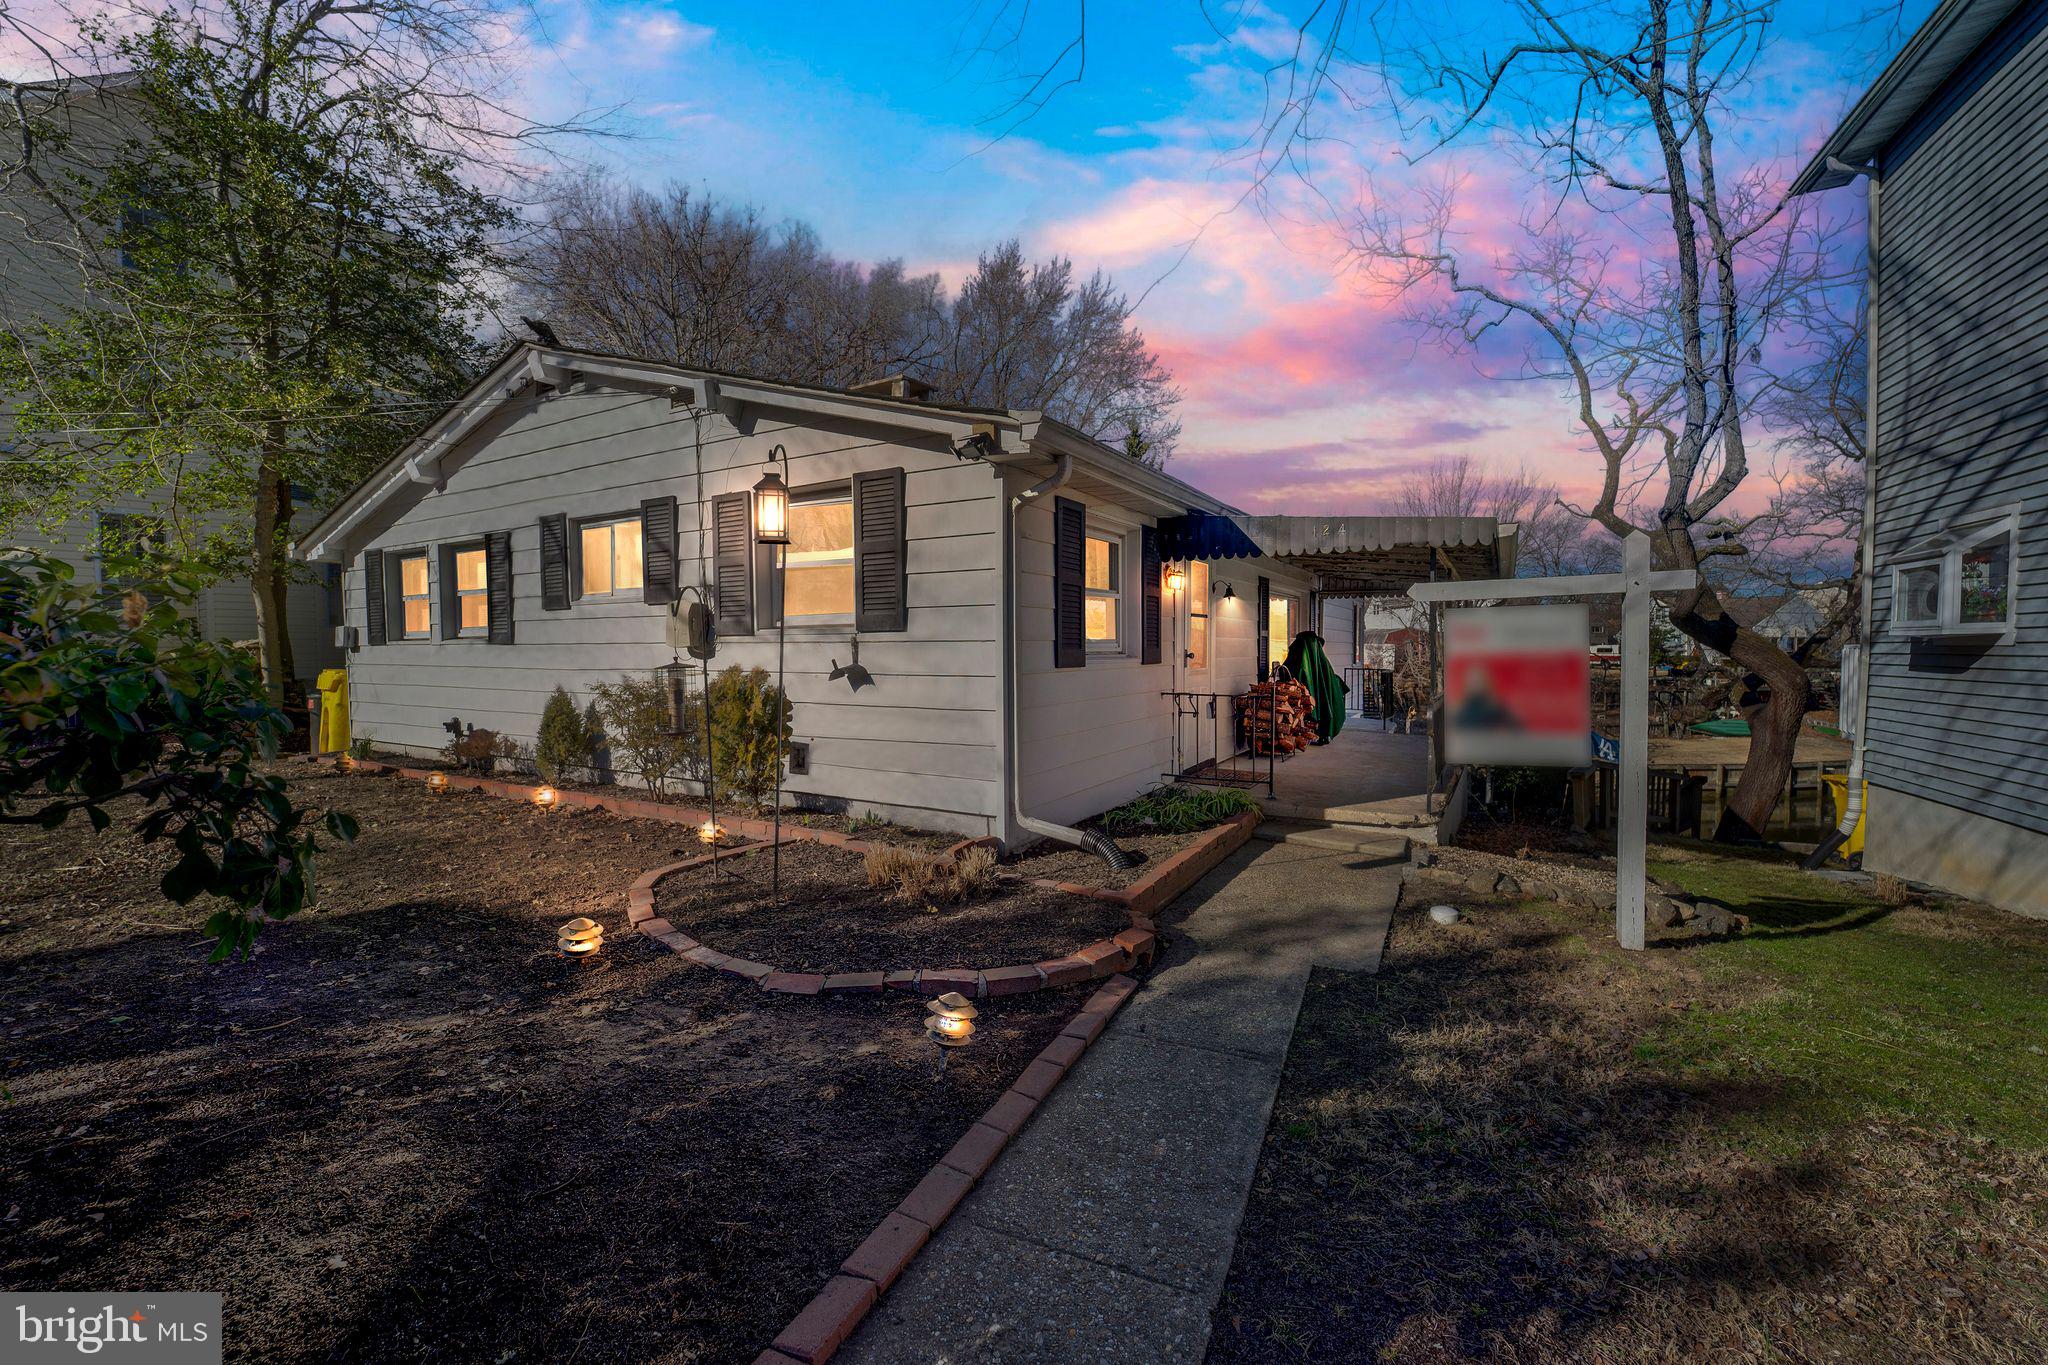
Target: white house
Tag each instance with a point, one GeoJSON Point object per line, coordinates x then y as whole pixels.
{"type": "Point", "coordinates": [1023, 600]}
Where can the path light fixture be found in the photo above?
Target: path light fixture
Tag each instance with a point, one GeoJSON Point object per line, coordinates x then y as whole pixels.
{"type": "Point", "coordinates": [437, 783]}
{"type": "Point", "coordinates": [580, 937]}
{"type": "Point", "coordinates": [546, 797]}
{"type": "Point", "coordinates": [711, 832]}
{"type": "Point", "coordinates": [771, 527]}
{"type": "Point", "coordinates": [949, 1020]}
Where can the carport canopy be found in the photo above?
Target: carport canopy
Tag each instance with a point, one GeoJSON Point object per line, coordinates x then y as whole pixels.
{"type": "Point", "coordinates": [1351, 556]}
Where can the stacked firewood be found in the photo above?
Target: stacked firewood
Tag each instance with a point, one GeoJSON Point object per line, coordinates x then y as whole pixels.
{"type": "Point", "coordinates": [1276, 717]}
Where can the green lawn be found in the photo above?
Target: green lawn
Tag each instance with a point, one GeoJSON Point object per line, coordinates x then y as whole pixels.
{"type": "Point", "coordinates": [1939, 1014]}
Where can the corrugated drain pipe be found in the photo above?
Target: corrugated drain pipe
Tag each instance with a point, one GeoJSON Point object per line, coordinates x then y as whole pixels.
{"type": "Point", "coordinates": [1100, 845]}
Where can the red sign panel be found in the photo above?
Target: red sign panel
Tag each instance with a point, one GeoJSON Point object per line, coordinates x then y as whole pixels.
{"type": "Point", "coordinates": [1517, 690]}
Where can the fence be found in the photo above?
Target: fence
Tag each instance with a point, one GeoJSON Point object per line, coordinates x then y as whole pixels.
{"type": "Point", "coordinates": [1802, 807]}
{"type": "Point", "coordinates": [1201, 723]}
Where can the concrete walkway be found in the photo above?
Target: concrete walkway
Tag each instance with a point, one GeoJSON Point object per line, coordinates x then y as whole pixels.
{"type": "Point", "coordinates": [1105, 1232]}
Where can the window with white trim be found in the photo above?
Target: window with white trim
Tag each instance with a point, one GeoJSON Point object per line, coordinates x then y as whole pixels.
{"type": "Point", "coordinates": [611, 558]}
{"type": "Point", "coordinates": [817, 578]}
{"type": "Point", "coordinates": [1962, 582]}
{"type": "Point", "coordinates": [415, 612]}
{"type": "Point", "coordinates": [472, 593]}
{"type": "Point", "coordinates": [1102, 588]}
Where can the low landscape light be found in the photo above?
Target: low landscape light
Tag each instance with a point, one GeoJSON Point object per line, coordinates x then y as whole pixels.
{"type": "Point", "coordinates": [711, 832]}
{"type": "Point", "coordinates": [580, 937]}
{"type": "Point", "coordinates": [437, 782]}
{"type": "Point", "coordinates": [951, 1020]}
{"type": "Point", "coordinates": [546, 797]}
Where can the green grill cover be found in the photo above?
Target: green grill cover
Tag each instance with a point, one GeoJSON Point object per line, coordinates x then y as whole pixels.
{"type": "Point", "coordinates": [1311, 668]}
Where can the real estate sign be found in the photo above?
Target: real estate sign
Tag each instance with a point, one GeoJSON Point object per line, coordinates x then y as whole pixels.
{"type": "Point", "coordinates": [1517, 690]}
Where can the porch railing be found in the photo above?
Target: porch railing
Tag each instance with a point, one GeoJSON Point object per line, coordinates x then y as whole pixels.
{"type": "Point", "coordinates": [1211, 748]}
{"type": "Point", "coordinates": [1371, 693]}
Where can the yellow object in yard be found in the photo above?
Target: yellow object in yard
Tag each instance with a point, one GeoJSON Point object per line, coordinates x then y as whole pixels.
{"type": "Point", "coordinates": [333, 686]}
{"type": "Point", "coordinates": [1838, 794]}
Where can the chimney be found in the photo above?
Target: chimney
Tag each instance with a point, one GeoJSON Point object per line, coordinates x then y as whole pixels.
{"type": "Point", "coordinates": [901, 386]}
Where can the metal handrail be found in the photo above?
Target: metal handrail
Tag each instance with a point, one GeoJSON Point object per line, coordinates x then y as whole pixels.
{"type": "Point", "coordinates": [1195, 712]}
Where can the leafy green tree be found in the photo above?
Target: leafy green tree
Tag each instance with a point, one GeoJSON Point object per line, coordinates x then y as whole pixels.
{"type": "Point", "coordinates": [281, 262]}
{"type": "Point", "coordinates": [105, 695]}
{"type": "Point", "coordinates": [567, 736]}
{"type": "Point", "coordinates": [746, 713]}
{"type": "Point", "coordinates": [635, 715]}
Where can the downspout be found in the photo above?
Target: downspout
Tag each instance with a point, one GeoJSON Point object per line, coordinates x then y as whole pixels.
{"type": "Point", "coordinates": [1093, 842]}
{"type": "Point", "coordinates": [1852, 806]}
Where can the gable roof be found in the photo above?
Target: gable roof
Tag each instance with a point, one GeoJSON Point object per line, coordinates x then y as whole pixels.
{"type": "Point", "coordinates": [1955, 30]}
{"type": "Point", "coordinates": [525, 366]}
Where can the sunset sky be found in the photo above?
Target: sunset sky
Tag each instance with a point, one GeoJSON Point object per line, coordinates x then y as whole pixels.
{"type": "Point", "coordinates": [1307, 389]}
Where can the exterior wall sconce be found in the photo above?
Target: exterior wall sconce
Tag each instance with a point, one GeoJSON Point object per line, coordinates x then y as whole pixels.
{"type": "Point", "coordinates": [1229, 593]}
{"type": "Point", "coordinates": [1176, 580]}
{"type": "Point", "coordinates": [437, 782]}
{"type": "Point", "coordinates": [950, 1021]}
{"type": "Point", "coordinates": [580, 937]}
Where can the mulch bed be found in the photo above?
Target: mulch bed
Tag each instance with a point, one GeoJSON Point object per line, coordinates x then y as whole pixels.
{"type": "Point", "coordinates": [831, 920]}
{"type": "Point", "coordinates": [409, 1130]}
{"type": "Point", "coordinates": [1059, 862]}
{"type": "Point", "coordinates": [1468, 1160]}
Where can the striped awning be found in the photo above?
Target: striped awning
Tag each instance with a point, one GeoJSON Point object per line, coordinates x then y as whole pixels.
{"type": "Point", "coordinates": [1351, 554]}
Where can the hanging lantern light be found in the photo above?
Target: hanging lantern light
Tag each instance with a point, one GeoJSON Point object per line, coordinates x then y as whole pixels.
{"type": "Point", "coordinates": [771, 508]}
{"type": "Point", "coordinates": [546, 797]}
{"type": "Point", "coordinates": [580, 937]}
{"type": "Point", "coordinates": [950, 1021]}
{"type": "Point", "coordinates": [437, 782]}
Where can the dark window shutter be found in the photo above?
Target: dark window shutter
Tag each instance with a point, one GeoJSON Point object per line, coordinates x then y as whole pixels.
{"type": "Point", "coordinates": [1265, 610]}
{"type": "Point", "coordinates": [498, 584]}
{"type": "Point", "coordinates": [554, 562]}
{"type": "Point", "coordinates": [880, 548]}
{"type": "Point", "coordinates": [732, 562]}
{"type": "Point", "coordinates": [451, 609]}
{"type": "Point", "coordinates": [1069, 574]}
{"type": "Point", "coordinates": [1149, 595]}
{"type": "Point", "coordinates": [376, 607]}
{"type": "Point", "coordinates": [658, 541]}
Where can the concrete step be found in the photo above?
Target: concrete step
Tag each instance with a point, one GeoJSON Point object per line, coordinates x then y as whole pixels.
{"type": "Point", "coordinates": [1373, 841]}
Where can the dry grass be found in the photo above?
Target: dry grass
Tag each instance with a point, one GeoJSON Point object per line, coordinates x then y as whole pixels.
{"type": "Point", "coordinates": [1516, 1143]}
{"type": "Point", "coordinates": [918, 877]}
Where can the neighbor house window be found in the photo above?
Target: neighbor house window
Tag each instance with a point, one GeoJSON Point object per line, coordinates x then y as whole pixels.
{"type": "Point", "coordinates": [611, 557]}
{"type": "Point", "coordinates": [123, 541]}
{"type": "Point", "coordinates": [1962, 583]}
{"type": "Point", "coordinates": [1102, 582]}
{"type": "Point", "coordinates": [472, 597]}
{"type": "Point", "coordinates": [817, 580]}
{"type": "Point", "coordinates": [415, 617]}
{"type": "Point", "coordinates": [1280, 628]}
{"type": "Point", "coordinates": [1198, 615]}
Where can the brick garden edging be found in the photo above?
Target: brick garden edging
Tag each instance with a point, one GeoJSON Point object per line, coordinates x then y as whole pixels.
{"type": "Point", "coordinates": [825, 1323]}
{"type": "Point", "coordinates": [1157, 889]}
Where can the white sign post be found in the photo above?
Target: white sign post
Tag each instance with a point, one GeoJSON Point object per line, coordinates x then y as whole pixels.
{"type": "Point", "coordinates": [1634, 584]}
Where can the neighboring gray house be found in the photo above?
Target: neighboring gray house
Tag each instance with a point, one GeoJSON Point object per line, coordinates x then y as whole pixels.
{"type": "Point", "coordinates": [1952, 142]}
{"type": "Point", "coordinates": [537, 533]}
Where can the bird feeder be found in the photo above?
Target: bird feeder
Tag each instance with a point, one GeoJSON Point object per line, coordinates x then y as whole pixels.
{"type": "Point", "coordinates": [950, 1020]}
{"type": "Point", "coordinates": [546, 797]}
{"type": "Point", "coordinates": [437, 782]}
{"type": "Point", "coordinates": [580, 937]}
{"type": "Point", "coordinates": [674, 678]}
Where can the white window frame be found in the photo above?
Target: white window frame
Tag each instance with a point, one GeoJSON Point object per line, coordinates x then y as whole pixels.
{"type": "Point", "coordinates": [426, 593]}
{"type": "Point", "coordinates": [457, 592]}
{"type": "Point", "coordinates": [1946, 556]}
{"type": "Point", "coordinates": [1117, 592]}
{"type": "Point", "coordinates": [837, 492]}
{"type": "Point", "coordinates": [615, 593]}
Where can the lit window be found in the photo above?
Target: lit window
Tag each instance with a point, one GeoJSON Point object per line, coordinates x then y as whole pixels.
{"type": "Point", "coordinates": [1280, 627]}
{"type": "Point", "coordinates": [612, 557]}
{"type": "Point", "coordinates": [817, 581]}
{"type": "Point", "coordinates": [415, 619]}
{"type": "Point", "coordinates": [1959, 584]}
{"type": "Point", "coordinates": [472, 597]}
{"type": "Point", "coordinates": [1198, 615]}
{"type": "Point", "coordinates": [1103, 604]}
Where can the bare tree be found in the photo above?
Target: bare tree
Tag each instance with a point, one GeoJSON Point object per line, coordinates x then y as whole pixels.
{"type": "Point", "coordinates": [681, 276]}
{"type": "Point", "coordinates": [1551, 538]}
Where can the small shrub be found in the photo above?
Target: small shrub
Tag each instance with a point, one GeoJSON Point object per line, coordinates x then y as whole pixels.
{"type": "Point", "coordinates": [1173, 809]}
{"type": "Point", "coordinates": [975, 872]}
{"type": "Point", "coordinates": [1890, 889]}
{"type": "Point", "coordinates": [359, 746]}
{"type": "Point", "coordinates": [909, 875]}
{"type": "Point", "coordinates": [480, 751]}
{"type": "Point", "coordinates": [747, 711]}
{"type": "Point", "coordinates": [567, 736]}
{"type": "Point", "coordinates": [635, 721]}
